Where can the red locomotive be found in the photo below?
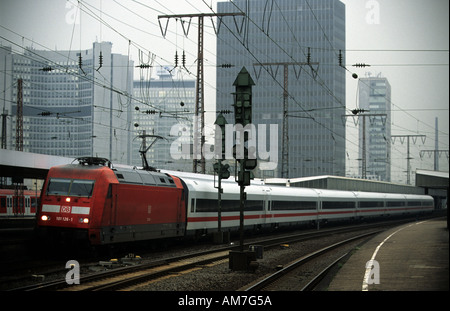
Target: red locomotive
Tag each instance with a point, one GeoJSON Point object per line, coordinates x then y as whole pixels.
{"type": "Point", "coordinates": [103, 205]}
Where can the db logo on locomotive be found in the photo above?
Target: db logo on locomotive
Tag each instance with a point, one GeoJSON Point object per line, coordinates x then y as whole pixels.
{"type": "Point", "coordinates": [65, 209]}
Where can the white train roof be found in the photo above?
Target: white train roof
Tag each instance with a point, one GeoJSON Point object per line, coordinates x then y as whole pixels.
{"type": "Point", "coordinates": [203, 186]}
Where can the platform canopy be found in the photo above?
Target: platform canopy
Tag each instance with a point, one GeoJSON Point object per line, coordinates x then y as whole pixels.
{"type": "Point", "coordinates": [432, 179]}
{"type": "Point", "coordinates": [28, 165]}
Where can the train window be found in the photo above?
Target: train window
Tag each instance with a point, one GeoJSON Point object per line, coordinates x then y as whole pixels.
{"type": "Point", "coordinates": [77, 187]}
{"type": "Point", "coordinates": [58, 186]}
{"type": "Point", "coordinates": [395, 203]}
{"type": "Point", "coordinates": [206, 205]}
{"type": "Point", "coordinates": [209, 205]}
{"type": "Point", "coordinates": [82, 188]}
{"type": "Point", "coordinates": [427, 203]}
{"type": "Point", "coordinates": [337, 204]}
{"type": "Point", "coordinates": [371, 204]}
{"type": "Point", "coordinates": [293, 205]}
{"type": "Point", "coordinates": [414, 203]}
{"type": "Point", "coordinates": [253, 205]}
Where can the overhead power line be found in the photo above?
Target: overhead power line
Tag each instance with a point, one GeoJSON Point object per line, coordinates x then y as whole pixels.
{"type": "Point", "coordinates": [199, 89]}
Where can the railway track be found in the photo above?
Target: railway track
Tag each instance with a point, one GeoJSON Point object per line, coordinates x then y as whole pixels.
{"type": "Point", "coordinates": [279, 279]}
{"type": "Point", "coordinates": [143, 275]}
{"type": "Point", "coordinates": [123, 277]}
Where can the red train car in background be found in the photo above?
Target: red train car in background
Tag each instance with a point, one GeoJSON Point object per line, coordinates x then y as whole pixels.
{"type": "Point", "coordinates": [13, 205]}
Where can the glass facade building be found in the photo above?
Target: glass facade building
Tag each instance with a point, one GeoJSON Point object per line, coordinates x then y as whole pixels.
{"type": "Point", "coordinates": [75, 103]}
{"type": "Point", "coordinates": [293, 46]}
{"type": "Point", "coordinates": [375, 97]}
{"type": "Point", "coordinates": [164, 107]}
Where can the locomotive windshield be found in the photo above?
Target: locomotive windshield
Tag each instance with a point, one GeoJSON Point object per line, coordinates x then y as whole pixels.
{"type": "Point", "coordinates": [73, 187]}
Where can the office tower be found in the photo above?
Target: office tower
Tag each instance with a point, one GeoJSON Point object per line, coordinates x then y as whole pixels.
{"type": "Point", "coordinates": [75, 103]}
{"type": "Point", "coordinates": [164, 107]}
{"type": "Point", "coordinates": [292, 49]}
{"type": "Point", "coordinates": [375, 100]}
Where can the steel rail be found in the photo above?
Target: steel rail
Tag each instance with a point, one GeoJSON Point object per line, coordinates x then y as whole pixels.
{"type": "Point", "coordinates": [279, 274]}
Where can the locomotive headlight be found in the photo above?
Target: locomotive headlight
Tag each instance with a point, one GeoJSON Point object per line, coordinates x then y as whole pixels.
{"type": "Point", "coordinates": [68, 200]}
{"type": "Point", "coordinates": [45, 217]}
{"type": "Point", "coordinates": [84, 220]}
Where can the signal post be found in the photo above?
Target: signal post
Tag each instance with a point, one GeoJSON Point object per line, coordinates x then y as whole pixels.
{"type": "Point", "coordinates": [222, 173]}
{"type": "Point", "coordinates": [243, 259]}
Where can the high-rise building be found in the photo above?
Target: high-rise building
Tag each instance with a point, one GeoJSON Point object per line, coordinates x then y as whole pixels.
{"type": "Point", "coordinates": [164, 108]}
{"type": "Point", "coordinates": [292, 49]}
{"type": "Point", "coordinates": [75, 103]}
{"type": "Point", "coordinates": [375, 100]}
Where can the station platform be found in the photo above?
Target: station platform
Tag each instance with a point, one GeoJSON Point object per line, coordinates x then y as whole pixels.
{"type": "Point", "coordinates": [17, 222]}
{"type": "Point", "coordinates": [411, 257]}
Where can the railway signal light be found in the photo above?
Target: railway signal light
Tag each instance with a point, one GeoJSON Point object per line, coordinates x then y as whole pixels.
{"type": "Point", "coordinates": [250, 164]}
{"type": "Point", "coordinates": [243, 98]}
{"type": "Point", "coordinates": [220, 135]}
{"type": "Point", "coordinates": [243, 116]}
{"type": "Point", "coordinates": [222, 170]}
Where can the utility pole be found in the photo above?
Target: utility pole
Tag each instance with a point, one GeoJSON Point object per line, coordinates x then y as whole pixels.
{"type": "Point", "coordinates": [436, 152]}
{"type": "Point", "coordinates": [19, 117]}
{"type": "Point", "coordinates": [285, 136]}
{"type": "Point", "coordinates": [436, 145]}
{"type": "Point", "coordinates": [4, 118]}
{"type": "Point", "coordinates": [18, 180]}
{"type": "Point", "coordinates": [199, 89]}
{"type": "Point", "coordinates": [408, 158]}
{"type": "Point", "coordinates": [364, 148]}
{"type": "Point", "coordinates": [436, 155]}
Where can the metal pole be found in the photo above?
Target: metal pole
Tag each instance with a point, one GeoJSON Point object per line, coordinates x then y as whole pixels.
{"type": "Point", "coordinates": [219, 199]}
{"type": "Point", "coordinates": [436, 146]}
{"type": "Point", "coordinates": [241, 210]}
{"type": "Point", "coordinates": [408, 165]}
{"type": "Point", "coordinates": [364, 153]}
{"type": "Point", "coordinates": [285, 142]}
{"type": "Point", "coordinates": [408, 157]}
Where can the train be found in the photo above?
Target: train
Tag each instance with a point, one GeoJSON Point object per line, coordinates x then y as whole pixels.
{"type": "Point", "coordinates": [104, 204]}
{"type": "Point", "coordinates": [13, 204]}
